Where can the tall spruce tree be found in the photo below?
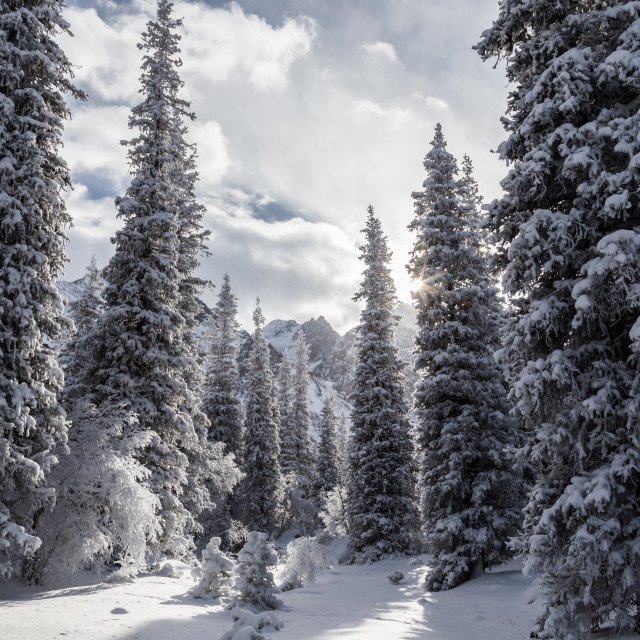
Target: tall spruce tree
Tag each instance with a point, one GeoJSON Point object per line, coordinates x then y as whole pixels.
{"type": "Point", "coordinates": [144, 357]}
{"type": "Point", "coordinates": [223, 408]}
{"type": "Point", "coordinates": [222, 394]}
{"type": "Point", "coordinates": [261, 489]}
{"type": "Point", "coordinates": [301, 416]}
{"type": "Point", "coordinates": [470, 497]}
{"type": "Point", "coordinates": [85, 312]}
{"type": "Point", "coordinates": [286, 425]}
{"type": "Point", "coordinates": [34, 75]}
{"type": "Point", "coordinates": [568, 240]}
{"type": "Point", "coordinates": [382, 511]}
{"type": "Point", "coordinates": [327, 477]}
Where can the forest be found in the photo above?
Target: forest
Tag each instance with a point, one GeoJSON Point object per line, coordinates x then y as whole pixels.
{"type": "Point", "coordinates": [144, 433]}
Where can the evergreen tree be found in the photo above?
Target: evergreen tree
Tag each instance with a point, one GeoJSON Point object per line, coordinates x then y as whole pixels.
{"type": "Point", "coordinates": [327, 467]}
{"type": "Point", "coordinates": [215, 573]}
{"type": "Point", "coordinates": [222, 396]}
{"type": "Point", "coordinates": [567, 234]}
{"type": "Point", "coordinates": [254, 583]}
{"type": "Point", "coordinates": [382, 511]}
{"type": "Point", "coordinates": [34, 75]}
{"type": "Point", "coordinates": [286, 425]}
{"type": "Point", "coordinates": [85, 312]}
{"type": "Point", "coordinates": [301, 416]}
{"type": "Point", "coordinates": [470, 497]}
{"type": "Point", "coordinates": [343, 448]}
{"type": "Point", "coordinates": [143, 356]}
{"type": "Point", "coordinates": [262, 486]}
{"type": "Point", "coordinates": [223, 408]}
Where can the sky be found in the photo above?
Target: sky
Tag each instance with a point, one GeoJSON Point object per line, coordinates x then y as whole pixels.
{"type": "Point", "coordinates": [307, 111]}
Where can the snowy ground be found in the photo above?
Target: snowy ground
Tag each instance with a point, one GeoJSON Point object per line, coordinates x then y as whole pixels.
{"type": "Point", "coordinates": [346, 602]}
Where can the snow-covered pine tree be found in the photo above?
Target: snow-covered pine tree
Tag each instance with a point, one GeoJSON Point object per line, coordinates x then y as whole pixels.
{"type": "Point", "coordinates": [382, 511]}
{"type": "Point", "coordinates": [343, 447]}
{"type": "Point", "coordinates": [253, 582]}
{"type": "Point", "coordinates": [327, 477]}
{"type": "Point", "coordinates": [286, 426]}
{"type": "Point", "coordinates": [103, 505]}
{"type": "Point", "coordinates": [34, 75]}
{"type": "Point", "coordinates": [215, 573]}
{"type": "Point", "coordinates": [261, 489]}
{"type": "Point", "coordinates": [222, 395]}
{"type": "Point", "coordinates": [568, 241]}
{"type": "Point", "coordinates": [301, 416]}
{"type": "Point", "coordinates": [85, 312]}
{"type": "Point", "coordinates": [143, 356]}
{"type": "Point", "coordinates": [470, 496]}
{"type": "Point", "coordinates": [86, 309]}
{"type": "Point", "coordinates": [223, 406]}
{"type": "Point", "coordinates": [206, 458]}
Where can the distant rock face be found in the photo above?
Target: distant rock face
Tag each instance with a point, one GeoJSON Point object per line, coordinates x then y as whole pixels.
{"type": "Point", "coordinates": [339, 364]}
{"type": "Point", "coordinates": [321, 338]}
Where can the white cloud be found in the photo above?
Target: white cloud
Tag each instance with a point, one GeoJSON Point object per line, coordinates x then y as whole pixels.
{"type": "Point", "coordinates": [228, 45]}
{"type": "Point", "coordinates": [92, 141]}
{"type": "Point", "coordinates": [384, 50]}
{"type": "Point", "coordinates": [106, 55]}
{"type": "Point", "coordinates": [396, 116]}
{"type": "Point", "coordinates": [431, 101]}
{"type": "Point", "coordinates": [213, 152]}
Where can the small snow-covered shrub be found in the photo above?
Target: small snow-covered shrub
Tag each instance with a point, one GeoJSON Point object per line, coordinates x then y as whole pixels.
{"type": "Point", "coordinates": [334, 515]}
{"type": "Point", "coordinates": [242, 633]}
{"type": "Point", "coordinates": [246, 624]}
{"type": "Point", "coordinates": [167, 570]}
{"type": "Point", "coordinates": [253, 581]}
{"type": "Point", "coordinates": [215, 573]}
{"type": "Point", "coordinates": [304, 557]}
{"type": "Point", "coordinates": [396, 577]}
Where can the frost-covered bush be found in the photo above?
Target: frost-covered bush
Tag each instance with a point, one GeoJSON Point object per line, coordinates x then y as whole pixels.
{"type": "Point", "coordinates": [254, 583]}
{"type": "Point", "coordinates": [215, 574]}
{"type": "Point", "coordinates": [304, 557]}
{"type": "Point", "coordinates": [396, 577]}
{"type": "Point", "coordinates": [334, 515]}
{"type": "Point", "coordinates": [104, 508]}
{"type": "Point", "coordinates": [247, 624]}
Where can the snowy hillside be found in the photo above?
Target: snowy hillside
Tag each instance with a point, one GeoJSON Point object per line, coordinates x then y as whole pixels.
{"type": "Point", "coordinates": [345, 602]}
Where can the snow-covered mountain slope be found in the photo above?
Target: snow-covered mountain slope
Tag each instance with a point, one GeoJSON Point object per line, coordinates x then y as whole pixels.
{"type": "Point", "coordinates": [71, 290]}
{"type": "Point", "coordinates": [282, 334]}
